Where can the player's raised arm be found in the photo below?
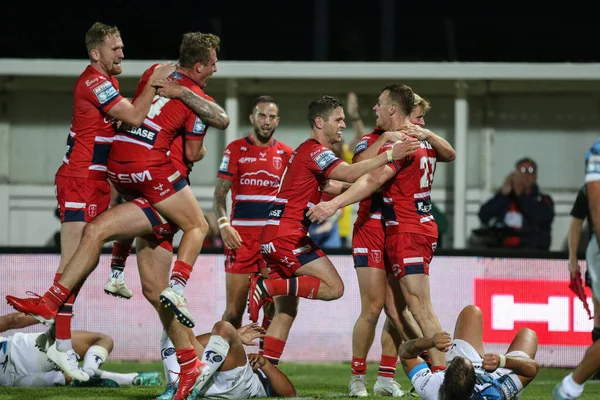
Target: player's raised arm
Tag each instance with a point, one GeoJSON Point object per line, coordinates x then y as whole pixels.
{"type": "Point", "coordinates": [134, 114]}
{"type": "Point", "coordinates": [350, 173]}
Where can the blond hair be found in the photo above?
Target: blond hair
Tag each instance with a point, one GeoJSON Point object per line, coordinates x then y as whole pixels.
{"type": "Point", "coordinates": [98, 33]}
{"type": "Point", "coordinates": [421, 102]}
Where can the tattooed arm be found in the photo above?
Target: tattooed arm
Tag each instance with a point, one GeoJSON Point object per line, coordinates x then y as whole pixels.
{"type": "Point", "coordinates": [231, 237]}
{"type": "Point", "coordinates": [208, 111]}
{"type": "Point", "coordinates": [409, 351]}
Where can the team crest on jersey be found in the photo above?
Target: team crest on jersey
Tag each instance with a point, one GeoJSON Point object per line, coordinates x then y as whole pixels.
{"type": "Point", "coordinates": [105, 92]}
{"type": "Point", "coordinates": [376, 254]}
{"type": "Point", "coordinates": [199, 126]}
{"type": "Point", "coordinates": [92, 210]}
{"type": "Point", "coordinates": [277, 163]}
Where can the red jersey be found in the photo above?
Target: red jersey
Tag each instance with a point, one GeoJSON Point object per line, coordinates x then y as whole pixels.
{"type": "Point", "coordinates": [166, 119]}
{"type": "Point", "coordinates": [407, 196]}
{"type": "Point", "coordinates": [308, 168]}
{"type": "Point", "coordinates": [256, 175]}
{"type": "Point", "coordinates": [369, 209]}
{"type": "Point", "coordinates": [92, 130]}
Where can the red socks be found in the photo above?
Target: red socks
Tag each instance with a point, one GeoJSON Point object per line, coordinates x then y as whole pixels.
{"type": "Point", "coordinates": [301, 286]}
{"type": "Point", "coordinates": [387, 366]}
{"type": "Point", "coordinates": [273, 348]}
{"type": "Point", "coordinates": [359, 366]}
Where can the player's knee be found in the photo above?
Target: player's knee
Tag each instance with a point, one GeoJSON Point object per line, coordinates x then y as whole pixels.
{"type": "Point", "coordinates": [373, 311]}
{"type": "Point", "coordinates": [152, 294]}
{"type": "Point", "coordinates": [223, 329]}
{"type": "Point", "coordinates": [528, 334]}
{"type": "Point", "coordinates": [233, 317]}
{"type": "Point", "coordinates": [473, 311]}
{"type": "Point", "coordinates": [93, 233]}
{"type": "Point", "coordinates": [595, 334]}
{"type": "Point", "coordinates": [337, 290]}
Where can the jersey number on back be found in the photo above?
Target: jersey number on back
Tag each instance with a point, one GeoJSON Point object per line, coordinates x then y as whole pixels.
{"type": "Point", "coordinates": [157, 105]}
{"type": "Point", "coordinates": [427, 165]}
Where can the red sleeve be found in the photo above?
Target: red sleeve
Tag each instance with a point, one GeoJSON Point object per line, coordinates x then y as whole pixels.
{"type": "Point", "coordinates": [229, 163]}
{"type": "Point", "coordinates": [103, 94]}
{"type": "Point", "coordinates": [322, 160]}
{"type": "Point", "coordinates": [392, 164]}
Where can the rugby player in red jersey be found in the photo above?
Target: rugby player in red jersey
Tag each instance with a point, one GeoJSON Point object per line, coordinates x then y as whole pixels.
{"type": "Point", "coordinates": [298, 267]}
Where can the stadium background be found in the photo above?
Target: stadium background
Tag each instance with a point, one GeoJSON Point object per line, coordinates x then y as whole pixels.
{"type": "Point", "coordinates": [500, 89]}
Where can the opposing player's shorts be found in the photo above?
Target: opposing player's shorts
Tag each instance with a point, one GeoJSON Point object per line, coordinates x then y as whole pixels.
{"type": "Point", "coordinates": [81, 199]}
{"type": "Point", "coordinates": [409, 253]}
{"type": "Point", "coordinates": [592, 273]}
{"type": "Point", "coordinates": [164, 229]}
{"type": "Point", "coordinates": [247, 259]}
{"type": "Point", "coordinates": [368, 247]}
{"type": "Point", "coordinates": [156, 182]}
{"type": "Point", "coordinates": [284, 255]}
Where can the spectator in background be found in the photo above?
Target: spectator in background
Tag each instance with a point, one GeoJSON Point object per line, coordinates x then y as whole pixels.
{"type": "Point", "coordinates": [519, 211]}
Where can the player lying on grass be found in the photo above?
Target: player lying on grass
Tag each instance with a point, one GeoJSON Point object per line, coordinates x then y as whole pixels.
{"type": "Point", "coordinates": [22, 363]}
{"type": "Point", "coordinates": [230, 373]}
{"type": "Point", "coordinates": [470, 372]}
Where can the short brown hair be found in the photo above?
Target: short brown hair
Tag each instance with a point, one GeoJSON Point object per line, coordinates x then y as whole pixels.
{"type": "Point", "coordinates": [196, 46]}
{"type": "Point", "coordinates": [403, 96]}
{"type": "Point", "coordinates": [262, 99]}
{"type": "Point", "coordinates": [322, 106]}
{"type": "Point", "coordinates": [98, 34]}
{"type": "Point", "coordinates": [421, 102]}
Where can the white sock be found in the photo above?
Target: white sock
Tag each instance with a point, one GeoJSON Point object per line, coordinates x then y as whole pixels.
{"type": "Point", "coordinates": [117, 273]}
{"type": "Point", "coordinates": [384, 379]}
{"type": "Point", "coordinates": [214, 355]}
{"type": "Point", "coordinates": [93, 359]}
{"type": "Point", "coordinates": [569, 388]}
{"type": "Point", "coordinates": [359, 377]}
{"type": "Point", "coordinates": [169, 358]}
{"type": "Point", "coordinates": [177, 287]}
{"type": "Point", "coordinates": [121, 379]}
{"type": "Point", "coordinates": [64, 345]}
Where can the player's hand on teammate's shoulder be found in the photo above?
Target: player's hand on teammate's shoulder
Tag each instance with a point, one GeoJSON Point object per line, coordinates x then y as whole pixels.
{"type": "Point", "coordinates": [442, 341]}
{"type": "Point", "coordinates": [491, 362]}
{"type": "Point", "coordinates": [169, 89]}
{"type": "Point", "coordinates": [405, 147]}
{"type": "Point", "coordinates": [256, 361]}
{"type": "Point", "coordinates": [416, 131]}
{"type": "Point", "coordinates": [321, 212]}
{"type": "Point", "coordinates": [249, 333]}
{"type": "Point", "coordinates": [162, 71]}
{"type": "Point", "coordinates": [394, 136]}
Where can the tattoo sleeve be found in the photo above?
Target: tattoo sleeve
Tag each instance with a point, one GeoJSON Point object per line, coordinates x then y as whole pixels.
{"type": "Point", "coordinates": [208, 111]}
{"type": "Point", "coordinates": [220, 197]}
{"type": "Point", "coordinates": [413, 348]}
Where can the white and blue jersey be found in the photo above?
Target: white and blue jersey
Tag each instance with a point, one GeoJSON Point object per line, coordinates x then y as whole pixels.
{"type": "Point", "coordinates": [592, 163]}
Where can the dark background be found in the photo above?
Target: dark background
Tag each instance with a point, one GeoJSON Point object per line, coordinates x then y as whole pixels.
{"type": "Point", "coordinates": [313, 30]}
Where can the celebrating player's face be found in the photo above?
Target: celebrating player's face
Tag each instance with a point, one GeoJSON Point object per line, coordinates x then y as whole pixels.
{"type": "Point", "coordinates": [264, 119]}
{"type": "Point", "coordinates": [334, 125]}
{"type": "Point", "coordinates": [417, 116]}
{"type": "Point", "coordinates": [382, 111]}
{"type": "Point", "coordinates": [208, 69]}
{"type": "Point", "coordinates": [111, 54]}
